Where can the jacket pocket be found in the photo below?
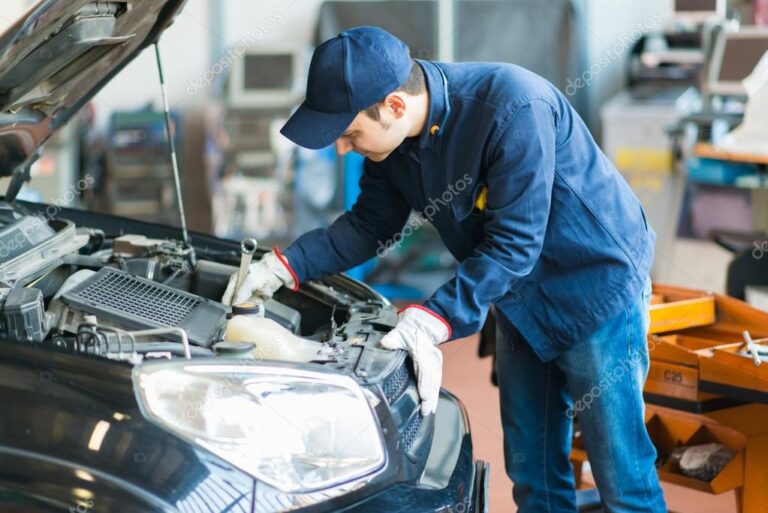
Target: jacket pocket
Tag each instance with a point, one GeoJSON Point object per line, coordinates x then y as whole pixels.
{"type": "Point", "coordinates": [465, 205]}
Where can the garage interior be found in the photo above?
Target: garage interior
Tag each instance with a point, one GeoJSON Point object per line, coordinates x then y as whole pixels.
{"type": "Point", "coordinates": [675, 93]}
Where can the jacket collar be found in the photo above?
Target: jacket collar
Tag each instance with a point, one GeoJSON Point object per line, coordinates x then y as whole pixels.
{"type": "Point", "coordinates": [439, 110]}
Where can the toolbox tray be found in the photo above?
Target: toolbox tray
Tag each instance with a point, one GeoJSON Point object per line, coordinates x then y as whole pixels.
{"type": "Point", "coordinates": [670, 432]}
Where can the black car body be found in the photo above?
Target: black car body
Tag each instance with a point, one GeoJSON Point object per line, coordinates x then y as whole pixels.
{"type": "Point", "coordinates": [76, 431]}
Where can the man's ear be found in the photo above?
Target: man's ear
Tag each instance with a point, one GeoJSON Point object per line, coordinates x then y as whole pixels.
{"type": "Point", "coordinates": [395, 104]}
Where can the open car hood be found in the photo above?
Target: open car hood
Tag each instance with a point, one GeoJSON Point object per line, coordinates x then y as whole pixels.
{"type": "Point", "coordinates": [56, 57]}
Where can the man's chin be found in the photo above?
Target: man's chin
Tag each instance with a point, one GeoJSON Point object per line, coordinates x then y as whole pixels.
{"type": "Point", "coordinates": [377, 157]}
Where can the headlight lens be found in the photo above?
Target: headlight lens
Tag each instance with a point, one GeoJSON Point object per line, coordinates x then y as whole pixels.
{"type": "Point", "coordinates": [294, 429]}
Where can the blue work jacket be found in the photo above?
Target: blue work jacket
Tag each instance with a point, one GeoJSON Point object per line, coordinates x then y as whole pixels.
{"type": "Point", "coordinates": [540, 221]}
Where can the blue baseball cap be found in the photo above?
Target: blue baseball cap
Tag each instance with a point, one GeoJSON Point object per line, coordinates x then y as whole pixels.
{"type": "Point", "coordinates": [348, 73]}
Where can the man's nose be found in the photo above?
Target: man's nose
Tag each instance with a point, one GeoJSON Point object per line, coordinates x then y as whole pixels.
{"type": "Point", "coordinates": [343, 147]}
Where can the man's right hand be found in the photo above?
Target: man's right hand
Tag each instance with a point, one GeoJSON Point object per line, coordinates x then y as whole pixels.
{"type": "Point", "coordinates": [264, 278]}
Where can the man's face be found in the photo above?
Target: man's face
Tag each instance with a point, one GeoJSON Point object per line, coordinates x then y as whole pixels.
{"type": "Point", "coordinates": [373, 139]}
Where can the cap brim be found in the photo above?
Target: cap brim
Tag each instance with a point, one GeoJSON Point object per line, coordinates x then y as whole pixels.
{"type": "Point", "coordinates": [313, 129]}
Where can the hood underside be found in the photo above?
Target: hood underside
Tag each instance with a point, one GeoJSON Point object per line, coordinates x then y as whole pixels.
{"type": "Point", "coordinates": [57, 56]}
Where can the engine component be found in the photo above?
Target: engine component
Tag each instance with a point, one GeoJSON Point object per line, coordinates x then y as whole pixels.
{"type": "Point", "coordinates": [132, 245]}
{"type": "Point", "coordinates": [154, 259]}
{"type": "Point", "coordinates": [137, 303]}
{"type": "Point", "coordinates": [23, 235]}
{"type": "Point", "coordinates": [211, 278]}
{"type": "Point", "coordinates": [251, 309]}
{"type": "Point", "coordinates": [72, 281]}
{"type": "Point", "coordinates": [235, 349]}
{"type": "Point", "coordinates": [23, 316]}
{"type": "Point", "coordinates": [144, 267]}
{"type": "Point", "coordinates": [284, 315]}
{"type": "Point", "coordinates": [274, 342]}
{"type": "Point", "coordinates": [116, 343]}
{"type": "Point", "coordinates": [40, 256]}
{"type": "Point", "coordinates": [92, 338]}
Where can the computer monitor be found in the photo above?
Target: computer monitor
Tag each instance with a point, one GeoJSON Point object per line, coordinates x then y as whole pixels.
{"type": "Point", "coordinates": [267, 78]}
{"type": "Point", "coordinates": [699, 10]}
{"type": "Point", "coordinates": [734, 58]}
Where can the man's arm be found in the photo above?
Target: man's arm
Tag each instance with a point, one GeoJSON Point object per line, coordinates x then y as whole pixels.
{"type": "Point", "coordinates": [378, 214]}
{"type": "Point", "coordinates": [519, 197]}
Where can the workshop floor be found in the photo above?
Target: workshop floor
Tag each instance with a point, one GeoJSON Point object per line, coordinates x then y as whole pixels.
{"type": "Point", "coordinates": [468, 377]}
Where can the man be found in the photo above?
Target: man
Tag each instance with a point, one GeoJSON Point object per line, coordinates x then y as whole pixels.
{"type": "Point", "coordinates": [543, 226]}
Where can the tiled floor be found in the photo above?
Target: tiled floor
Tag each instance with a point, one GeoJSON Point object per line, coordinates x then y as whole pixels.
{"type": "Point", "coordinates": [468, 377]}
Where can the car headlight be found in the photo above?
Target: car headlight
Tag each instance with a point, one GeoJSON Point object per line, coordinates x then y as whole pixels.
{"type": "Point", "coordinates": [295, 429]}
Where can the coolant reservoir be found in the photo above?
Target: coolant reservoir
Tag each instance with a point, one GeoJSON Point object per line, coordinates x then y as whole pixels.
{"type": "Point", "coordinates": [271, 340]}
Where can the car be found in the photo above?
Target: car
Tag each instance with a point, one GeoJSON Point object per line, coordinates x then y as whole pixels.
{"type": "Point", "coordinates": [122, 389]}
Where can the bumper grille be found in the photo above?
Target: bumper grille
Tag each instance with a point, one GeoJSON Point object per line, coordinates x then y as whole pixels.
{"type": "Point", "coordinates": [411, 431]}
{"type": "Point", "coordinates": [395, 384]}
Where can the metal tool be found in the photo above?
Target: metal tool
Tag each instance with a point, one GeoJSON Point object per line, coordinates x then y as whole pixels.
{"type": "Point", "coordinates": [334, 327]}
{"type": "Point", "coordinates": [752, 348]}
{"type": "Point", "coordinates": [247, 249]}
{"type": "Point", "coordinates": [172, 144]}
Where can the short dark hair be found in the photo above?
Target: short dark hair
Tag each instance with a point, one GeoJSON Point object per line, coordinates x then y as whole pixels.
{"type": "Point", "coordinates": [414, 84]}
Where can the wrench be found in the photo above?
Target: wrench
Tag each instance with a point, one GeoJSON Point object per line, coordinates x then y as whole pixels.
{"type": "Point", "coordinates": [752, 348]}
{"type": "Point", "coordinates": [247, 249]}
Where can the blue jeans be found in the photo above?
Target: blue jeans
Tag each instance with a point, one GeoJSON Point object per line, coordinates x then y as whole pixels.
{"type": "Point", "coordinates": [600, 380]}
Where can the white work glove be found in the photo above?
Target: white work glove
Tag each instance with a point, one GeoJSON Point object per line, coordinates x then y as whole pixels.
{"type": "Point", "coordinates": [418, 331]}
{"type": "Point", "coordinates": [264, 278]}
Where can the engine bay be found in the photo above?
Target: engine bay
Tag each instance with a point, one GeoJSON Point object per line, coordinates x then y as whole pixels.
{"type": "Point", "coordinates": [132, 298]}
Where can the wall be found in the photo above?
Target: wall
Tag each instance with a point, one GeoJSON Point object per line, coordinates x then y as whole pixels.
{"type": "Point", "coordinates": [268, 21]}
{"type": "Point", "coordinates": [610, 27]}
{"type": "Point", "coordinates": [184, 51]}
{"type": "Point", "coordinates": [607, 26]}
{"type": "Point", "coordinates": [202, 33]}
{"type": "Point", "coordinates": [206, 29]}
{"type": "Point", "coordinates": [11, 11]}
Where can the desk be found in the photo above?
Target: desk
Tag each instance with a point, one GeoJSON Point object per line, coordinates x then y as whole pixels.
{"type": "Point", "coordinates": [710, 151]}
{"type": "Point", "coordinates": [759, 194]}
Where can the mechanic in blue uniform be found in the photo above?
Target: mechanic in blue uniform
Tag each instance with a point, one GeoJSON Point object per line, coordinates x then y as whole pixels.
{"type": "Point", "coordinates": [543, 227]}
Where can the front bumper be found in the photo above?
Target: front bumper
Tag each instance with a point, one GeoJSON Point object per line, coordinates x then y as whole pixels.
{"type": "Point", "coordinates": [452, 481]}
